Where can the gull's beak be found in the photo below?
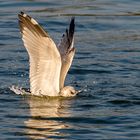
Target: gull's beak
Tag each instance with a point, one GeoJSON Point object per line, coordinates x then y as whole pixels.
{"type": "Point", "coordinates": [79, 91]}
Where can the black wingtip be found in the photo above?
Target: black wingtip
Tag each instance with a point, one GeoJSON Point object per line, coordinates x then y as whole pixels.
{"type": "Point", "coordinates": [72, 23]}
{"type": "Point", "coordinates": [72, 20]}
{"type": "Point", "coordinates": [22, 13]}
{"type": "Point", "coordinates": [72, 26]}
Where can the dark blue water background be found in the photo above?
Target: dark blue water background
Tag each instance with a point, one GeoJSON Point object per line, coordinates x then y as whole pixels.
{"type": "Point", "coordinates": [107, 61]}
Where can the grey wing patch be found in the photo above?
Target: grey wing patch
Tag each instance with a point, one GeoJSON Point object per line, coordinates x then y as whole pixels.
{"type": "Point", "coordinates": [67, 51]}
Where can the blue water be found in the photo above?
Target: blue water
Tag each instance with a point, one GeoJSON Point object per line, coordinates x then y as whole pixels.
{"type": "Point", "coordinates": [107, 62]}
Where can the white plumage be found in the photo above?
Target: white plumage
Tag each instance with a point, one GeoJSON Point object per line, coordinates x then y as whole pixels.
{"type": "Point", "coordinates": [49, 63]}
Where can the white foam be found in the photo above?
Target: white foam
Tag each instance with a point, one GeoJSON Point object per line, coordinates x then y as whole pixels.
{"type": "Point", "coordinates": [19, 90]}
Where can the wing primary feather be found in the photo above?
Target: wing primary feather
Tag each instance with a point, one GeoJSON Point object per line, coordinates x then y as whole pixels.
{"type": "Point", "coordinates": [70, 32]}
{"type": "Point", "coordinates": [30, 22]}
{"type": "Point", "coordinates": [67, 51]}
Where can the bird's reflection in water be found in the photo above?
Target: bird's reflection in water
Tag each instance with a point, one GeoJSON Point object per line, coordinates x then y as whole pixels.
{"type": "Point", "coordinates": [45, 121]}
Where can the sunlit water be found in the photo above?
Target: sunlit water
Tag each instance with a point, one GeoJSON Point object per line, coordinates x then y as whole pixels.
{"type": "Point", "coordinates": [107, 61]}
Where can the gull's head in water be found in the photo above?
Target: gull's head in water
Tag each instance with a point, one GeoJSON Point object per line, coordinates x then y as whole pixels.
{"type": "Point", "coordinates": [68, 91]}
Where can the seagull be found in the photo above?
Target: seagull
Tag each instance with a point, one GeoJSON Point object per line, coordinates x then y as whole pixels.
{"type": "Point", "coordinates": [49, 63]}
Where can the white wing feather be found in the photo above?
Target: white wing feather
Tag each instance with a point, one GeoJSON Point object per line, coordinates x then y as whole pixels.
{"type": "Point", "coordinates": [45, 59]}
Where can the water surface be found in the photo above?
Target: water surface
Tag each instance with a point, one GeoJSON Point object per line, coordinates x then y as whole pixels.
{"type": "Point", "coordinates": [107, 61]}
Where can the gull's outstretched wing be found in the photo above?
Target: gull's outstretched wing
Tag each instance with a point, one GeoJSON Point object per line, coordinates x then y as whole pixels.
{"type": "Point", "coordinates": [44, 57]}
{"type": "Point", "coordinates": [67, 51]}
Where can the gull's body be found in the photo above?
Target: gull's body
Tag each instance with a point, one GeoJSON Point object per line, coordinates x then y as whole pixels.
{"type": "Point", "coordinates": [49, 63]}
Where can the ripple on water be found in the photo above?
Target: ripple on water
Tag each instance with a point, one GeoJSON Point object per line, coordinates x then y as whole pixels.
{"type": "Point", "coordinates": [106, 64]}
